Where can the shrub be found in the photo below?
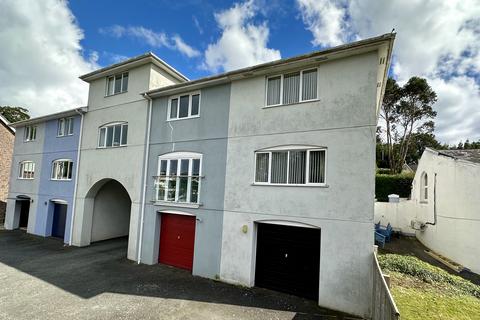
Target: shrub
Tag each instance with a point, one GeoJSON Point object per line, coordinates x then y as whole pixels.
{"type": "Point", "coordinates": [386, 184]}
{"type": "Point", "coordinates": [425, 272]}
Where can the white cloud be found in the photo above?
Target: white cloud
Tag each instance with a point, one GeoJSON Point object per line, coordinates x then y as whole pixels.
{"type": "Point", "coordinates": [185, 48]}
{"type": "Point", "coordinates": [40, 65]}
{"type": "Point", "coordinates": [152, 38]}
{"type": "Point", "coordinates": [326, 21]}
{"type": "Point", "coordinates": [438, 40]}
{"type": "Point", "coordinates": [242, 43]}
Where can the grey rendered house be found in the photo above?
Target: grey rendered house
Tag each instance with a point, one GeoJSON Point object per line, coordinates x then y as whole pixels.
{"type": "Point", "coordinates": [265, 176]}
{"type": "Point", "coordinates": [262, 176]}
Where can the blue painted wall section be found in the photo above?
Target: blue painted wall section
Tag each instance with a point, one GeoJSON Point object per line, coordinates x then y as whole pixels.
{"type": "Point", "coordinates": [65, 147]}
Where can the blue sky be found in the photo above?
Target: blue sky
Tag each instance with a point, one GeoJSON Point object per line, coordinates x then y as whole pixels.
{"type": "Point", "coordinates": [192, 20]}
{"type": "Point", "coordinates": [48, 44]}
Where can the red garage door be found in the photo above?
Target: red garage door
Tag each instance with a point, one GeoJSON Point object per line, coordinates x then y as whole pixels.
{"type": "Point", "coordinates": [177, 238]}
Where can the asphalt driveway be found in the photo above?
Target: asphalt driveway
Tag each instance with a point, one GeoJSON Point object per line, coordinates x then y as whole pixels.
{"type": "Point", "coordinates": [42, 279]}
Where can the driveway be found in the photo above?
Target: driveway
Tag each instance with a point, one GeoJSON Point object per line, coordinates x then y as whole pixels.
{"type": "Point", "coordinates": [42, 279]}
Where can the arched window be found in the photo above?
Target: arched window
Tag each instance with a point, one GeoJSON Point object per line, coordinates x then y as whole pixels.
{"type": "Point", "coordinates": [62, 169]}
{"type": "Point", "coordinates": [27, 170]}
{"type": "Point", "coordinates": [178, 178]}
{"type": "Point", "coordinates": [113, 135]}
{"type": "Point", "coordinates": [424, 187]}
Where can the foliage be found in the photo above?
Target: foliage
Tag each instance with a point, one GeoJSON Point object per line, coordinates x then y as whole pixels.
{"type": "Point", "coordinates": [14, 114]}
{"type": "Point", "coordinates": [425, 272]}
{"type": "Point", "coordinates": [386, 184]}
{"type": "Point", "coordinates": [406, 110]}
{"type": "Point", "coordinates": [420, 304]}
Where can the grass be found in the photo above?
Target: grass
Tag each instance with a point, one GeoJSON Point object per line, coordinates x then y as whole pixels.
{"type": "Point", "coordinates": [423, 291]}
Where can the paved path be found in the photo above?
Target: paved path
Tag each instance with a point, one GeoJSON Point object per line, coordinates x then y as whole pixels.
{"type": "Point", "coordinates": [42, 279]}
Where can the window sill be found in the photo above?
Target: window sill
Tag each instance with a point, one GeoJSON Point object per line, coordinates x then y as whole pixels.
{"type": "Point", "coordinates": [115, 94]}
{"type": "Point", "coordinates": [423, 202]}
{"type": "Point", "coordinates": [176, 204]}
{"type": "Point", "coordinates": [290, 104]}
{"type": "Point", "coordinates": [65, 135]}
{"type": "Point", "coordinates": [291, 185]}
{"type": "Point", "coordinates": [29, 140]}
{"type": "Point", "coordinates": [25, 178]}
{"type": "Point", "coordinates": [115, 147]}
{"type": "Point", "coordinates": [186, 118]}
{"type": "Point", "coordinates": [61, 180]}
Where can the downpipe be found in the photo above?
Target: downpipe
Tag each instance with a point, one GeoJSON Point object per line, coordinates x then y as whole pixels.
{"type": "Point", "coordinates": [434, 202]}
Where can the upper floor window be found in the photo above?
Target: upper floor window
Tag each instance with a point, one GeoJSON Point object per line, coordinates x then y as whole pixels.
{"type": "Point", "coordinates": [117, 84]}
{"type": "Point", "coordinates": [62, 169]}
{"type": "Point", "coordinates": [113, 135]}
{"type": "Point", "coordinates": [292, 87]}
{"type": "Point", "coordinates": [179, 177]}
{"type": "Point", "coordinates": [27, 170]}
{"type": "Point", "coordinates": [184, 106]}
{"type": "Point", "coordinates": [30, 133]}
{"type": "Point", "coordinates": [424, 187]}
{"type": "Point", "coordinates": [290, 166]}
{"type": "Point", "coordinates": [65, 127]}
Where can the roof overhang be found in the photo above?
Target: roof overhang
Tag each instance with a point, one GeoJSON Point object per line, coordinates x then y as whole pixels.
{"type": "Point", "coordinates": [383, 42]}
{"type": "Point", "coordinates": [53, 116]}
{"type": "Point", "coordinates": [7, 124]}
{"type": "Point", "coordinates": [137, 61]}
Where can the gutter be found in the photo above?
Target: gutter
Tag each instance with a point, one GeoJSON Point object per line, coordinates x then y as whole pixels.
{"type": "Point", "coordinates": [145, 172]}
{"type": "Point", "coordinates": [70, 240]}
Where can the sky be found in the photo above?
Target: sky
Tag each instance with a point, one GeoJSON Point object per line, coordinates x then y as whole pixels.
{"type": "Point", "coordinates": [48, 44]}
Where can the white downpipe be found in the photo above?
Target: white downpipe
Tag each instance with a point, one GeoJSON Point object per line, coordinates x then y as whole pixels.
{"type": "Point", "coordinates": [76, 178]}
{"type": "Point", "coordinates": [145, 173]}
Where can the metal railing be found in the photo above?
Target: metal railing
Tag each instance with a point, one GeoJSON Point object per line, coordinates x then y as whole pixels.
{"type": "Point", "coordinates": [384, 308]}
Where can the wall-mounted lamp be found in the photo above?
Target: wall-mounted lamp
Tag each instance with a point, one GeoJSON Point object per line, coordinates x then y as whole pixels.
{"type": "Point", "coordinates": [244, 228]}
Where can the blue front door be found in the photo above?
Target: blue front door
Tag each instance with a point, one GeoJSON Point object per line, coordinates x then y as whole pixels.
{"type": "Point", "coordinates": [59, 220]}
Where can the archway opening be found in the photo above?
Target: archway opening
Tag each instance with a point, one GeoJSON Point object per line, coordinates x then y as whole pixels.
{"type": "Point", "coordinates": [111, 212]}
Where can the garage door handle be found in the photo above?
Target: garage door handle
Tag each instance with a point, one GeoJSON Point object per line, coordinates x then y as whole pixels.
{"type": "Point", "coordinates": [178, 237]}
{"type": "Point", "coordinates": [286, 255]}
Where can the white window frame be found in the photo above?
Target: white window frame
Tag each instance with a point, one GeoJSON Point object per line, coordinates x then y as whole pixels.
{"type": "Point", "coordinates": [300, 91]}
{"type": "Point", "coordinates": [122, 74]}
{"type": "Point", "coordinates": [106, 126]}
{"type": "Point", "coordinates": [68, 161]}
{"type": "Point", "coordinates": [308, 149]}
{"type": "Point", "coordinates": [66, 124]}
{"type": "Point", "coordinates": [21, 170]}
{"type": "Point", "coordinates": [180, 156]}
{"type": "Point", "coordinates": [27, 134]}
{"type": "Point", "coordinates": [190, 116]}
{"type": "Point", "coordinates": [423, 187]}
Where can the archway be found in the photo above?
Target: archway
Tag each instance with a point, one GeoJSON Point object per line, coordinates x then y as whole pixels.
{"type": "Point", "coordinates": [110, 210]}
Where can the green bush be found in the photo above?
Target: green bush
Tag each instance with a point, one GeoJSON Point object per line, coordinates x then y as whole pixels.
{"type": "Point", "coordinates": [386, 184]}
{"type": "Point", "coordinates": [414, 267]}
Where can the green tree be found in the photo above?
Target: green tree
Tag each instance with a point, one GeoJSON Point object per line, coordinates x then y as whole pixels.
{"type": "Point", "coordinates": [406, 111]}
{"type": "Point", "coordinates": [14, 114]}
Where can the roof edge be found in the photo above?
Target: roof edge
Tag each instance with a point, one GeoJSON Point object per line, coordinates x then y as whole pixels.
{"type": "Point", "coordinates": [50, 116]}
{"type": "Point", "coordinates": [7, 124]}
{"type": "Point", "coordinates": [312, 55]}
{"type": "Point", "coordinates": [148, 56]}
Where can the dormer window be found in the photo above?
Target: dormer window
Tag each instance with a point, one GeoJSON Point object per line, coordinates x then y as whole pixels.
{"type": "Point", "coordinates": [117, 84]}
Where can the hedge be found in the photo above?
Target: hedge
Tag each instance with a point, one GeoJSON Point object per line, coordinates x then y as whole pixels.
{"type": "Point", "coordinates": [386, 184]}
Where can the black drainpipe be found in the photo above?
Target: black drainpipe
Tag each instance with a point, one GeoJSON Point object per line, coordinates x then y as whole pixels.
{"type": "Point", "coordinates": [434, 202]}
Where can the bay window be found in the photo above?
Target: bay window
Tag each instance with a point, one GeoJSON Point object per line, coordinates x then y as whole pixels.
{"type": "Point", "coordinates": [295, 166]}
{"type": "Point", "coordinates": [184, 106]}
{"type": "Point", "coordinates": [113, 135]}
{"type": "Point", "coordinates": [292, 87]}
{"type": "Point", "coordinates": [178, 178]}
{"type": "Point", "coordinates": [62, 169]}
{"type": "Point", "coordinates": [26, 170]}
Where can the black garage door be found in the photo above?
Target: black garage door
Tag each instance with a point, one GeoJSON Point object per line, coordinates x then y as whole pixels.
{"type": "Point", "coordinates": [288, 259]}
